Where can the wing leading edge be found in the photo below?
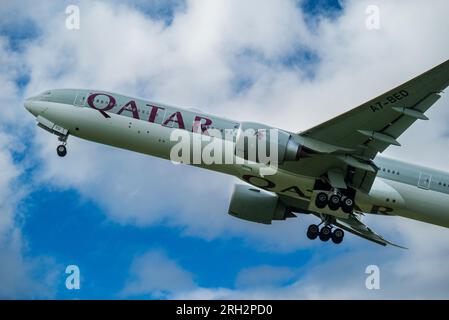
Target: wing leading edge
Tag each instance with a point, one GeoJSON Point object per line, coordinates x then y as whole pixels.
{"type": "Point", "coordinates": [378, 123]}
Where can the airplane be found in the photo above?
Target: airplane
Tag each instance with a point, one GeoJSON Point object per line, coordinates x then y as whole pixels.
{"type": "Point", "coordinates": [332, 171]}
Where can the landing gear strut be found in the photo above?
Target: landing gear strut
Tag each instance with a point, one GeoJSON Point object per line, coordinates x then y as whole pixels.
{"type": "Point", "coordinates": [61, 150]}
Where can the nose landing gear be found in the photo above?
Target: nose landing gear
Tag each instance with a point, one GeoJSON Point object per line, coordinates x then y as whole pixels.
{"type": "Point", "coordinates": [61, 150]}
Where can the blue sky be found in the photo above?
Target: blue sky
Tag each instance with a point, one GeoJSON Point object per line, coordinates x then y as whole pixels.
{"type": "Point", "coordinates": [66, 217]}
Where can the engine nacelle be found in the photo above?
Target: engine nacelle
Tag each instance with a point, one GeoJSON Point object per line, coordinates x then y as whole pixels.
{"type": "Point", "coordinates": [255, 140]}
{"type": "Point", "coordinates": [257, 205]}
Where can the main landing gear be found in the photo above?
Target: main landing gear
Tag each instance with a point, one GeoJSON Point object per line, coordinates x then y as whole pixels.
{"type": "Point", "coordinates": [61, 150]}
{"type": "Point", "coordinates": [334, 202]}
{"type": "Point", "coordinates": [325, 233]}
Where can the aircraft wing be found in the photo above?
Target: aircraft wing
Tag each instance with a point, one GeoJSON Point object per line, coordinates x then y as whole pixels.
{"type": "Point", "coordinates": [354, 225]}
{"type": "Point", "coordinates": [376, 124]}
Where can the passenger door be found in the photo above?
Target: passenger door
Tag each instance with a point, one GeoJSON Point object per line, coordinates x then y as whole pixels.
{"type": "Point", "coordinates": [80, 100]}
{"type": "Point", "coordinates": [424, 181]}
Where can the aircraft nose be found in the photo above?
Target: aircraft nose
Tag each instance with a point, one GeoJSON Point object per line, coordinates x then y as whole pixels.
{"type": "Point", "coordinates": [34, 108]}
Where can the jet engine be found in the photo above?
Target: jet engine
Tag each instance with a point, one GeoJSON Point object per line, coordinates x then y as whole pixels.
{"type": "Point", "coordinates": [256, 205]}
{"type": "Point", "coordinates": [260, 143]}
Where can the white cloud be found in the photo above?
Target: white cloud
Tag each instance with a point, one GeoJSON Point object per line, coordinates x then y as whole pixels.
{"type": "Point", "coordinates": [264, 276]}
{"type": "Point", "coordinates": [25, 278]}
{"type": "Point", "coordinates": [418, 273]}
{"type": "Point", "coordinates": [344, 276]}
{"type": "Point", "coordinates": [154, 274]}
{"type": "Point", "coordinates": [21, 276]}
{"type": "Point", "coordinates": [8, 199]}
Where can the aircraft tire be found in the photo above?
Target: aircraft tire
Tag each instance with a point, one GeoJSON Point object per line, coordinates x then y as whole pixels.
{"type": "Point", "coordinates": [61, 150]}
{"type": "Point", "coordinates": [334, 202]}
{"type": "Point", "coordinates": [347, 205]}
{"type": "Point", "coordinates": [321, 200]}
{"type": "Point", "coordinates": [313, 231]}
{"type": "Point", "coordinates": [325, 233]}
{"type": "Point", "coordinates": [337, 236]}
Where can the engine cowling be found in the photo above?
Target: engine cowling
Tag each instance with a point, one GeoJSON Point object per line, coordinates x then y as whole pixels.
{"type": "Point", "coordinates": [252, 137]}
{"type": "Point", "coordinates": [256, 205]}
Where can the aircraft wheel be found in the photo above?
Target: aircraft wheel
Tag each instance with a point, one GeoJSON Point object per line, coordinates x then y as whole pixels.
{"type": "Point", "coordinates": [337, 236]}
{"type": "Point", "coordinates": [334, 202]}
{"type": "Point", "coordinates": [61, 150]}
{"type": "Point", "coordinates": [321, 200]}
{"type": "Point", "coordinates": [347, 205]}
{"type": "Point", "coordinates": [325, 234]}
{"type": "Point", "coordinates": [313, 232]}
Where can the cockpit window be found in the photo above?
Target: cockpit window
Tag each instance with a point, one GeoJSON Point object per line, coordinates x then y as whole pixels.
{"type": "Point", "coordinates": [57, 96]}
{"type": "Point", "coordinates": [44, 96]}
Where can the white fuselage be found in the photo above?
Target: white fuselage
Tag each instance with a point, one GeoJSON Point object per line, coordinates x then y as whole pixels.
{"type": "Point", "coordinates": [387, 196]}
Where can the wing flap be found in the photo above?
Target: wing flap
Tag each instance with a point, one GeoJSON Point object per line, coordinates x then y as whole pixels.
{"type": "Point", "coordinates": [354, 225]}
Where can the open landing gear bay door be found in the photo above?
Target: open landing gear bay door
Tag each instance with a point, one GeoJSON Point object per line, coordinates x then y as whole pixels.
{"type": "Point", "coordinates": [49, 126]}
